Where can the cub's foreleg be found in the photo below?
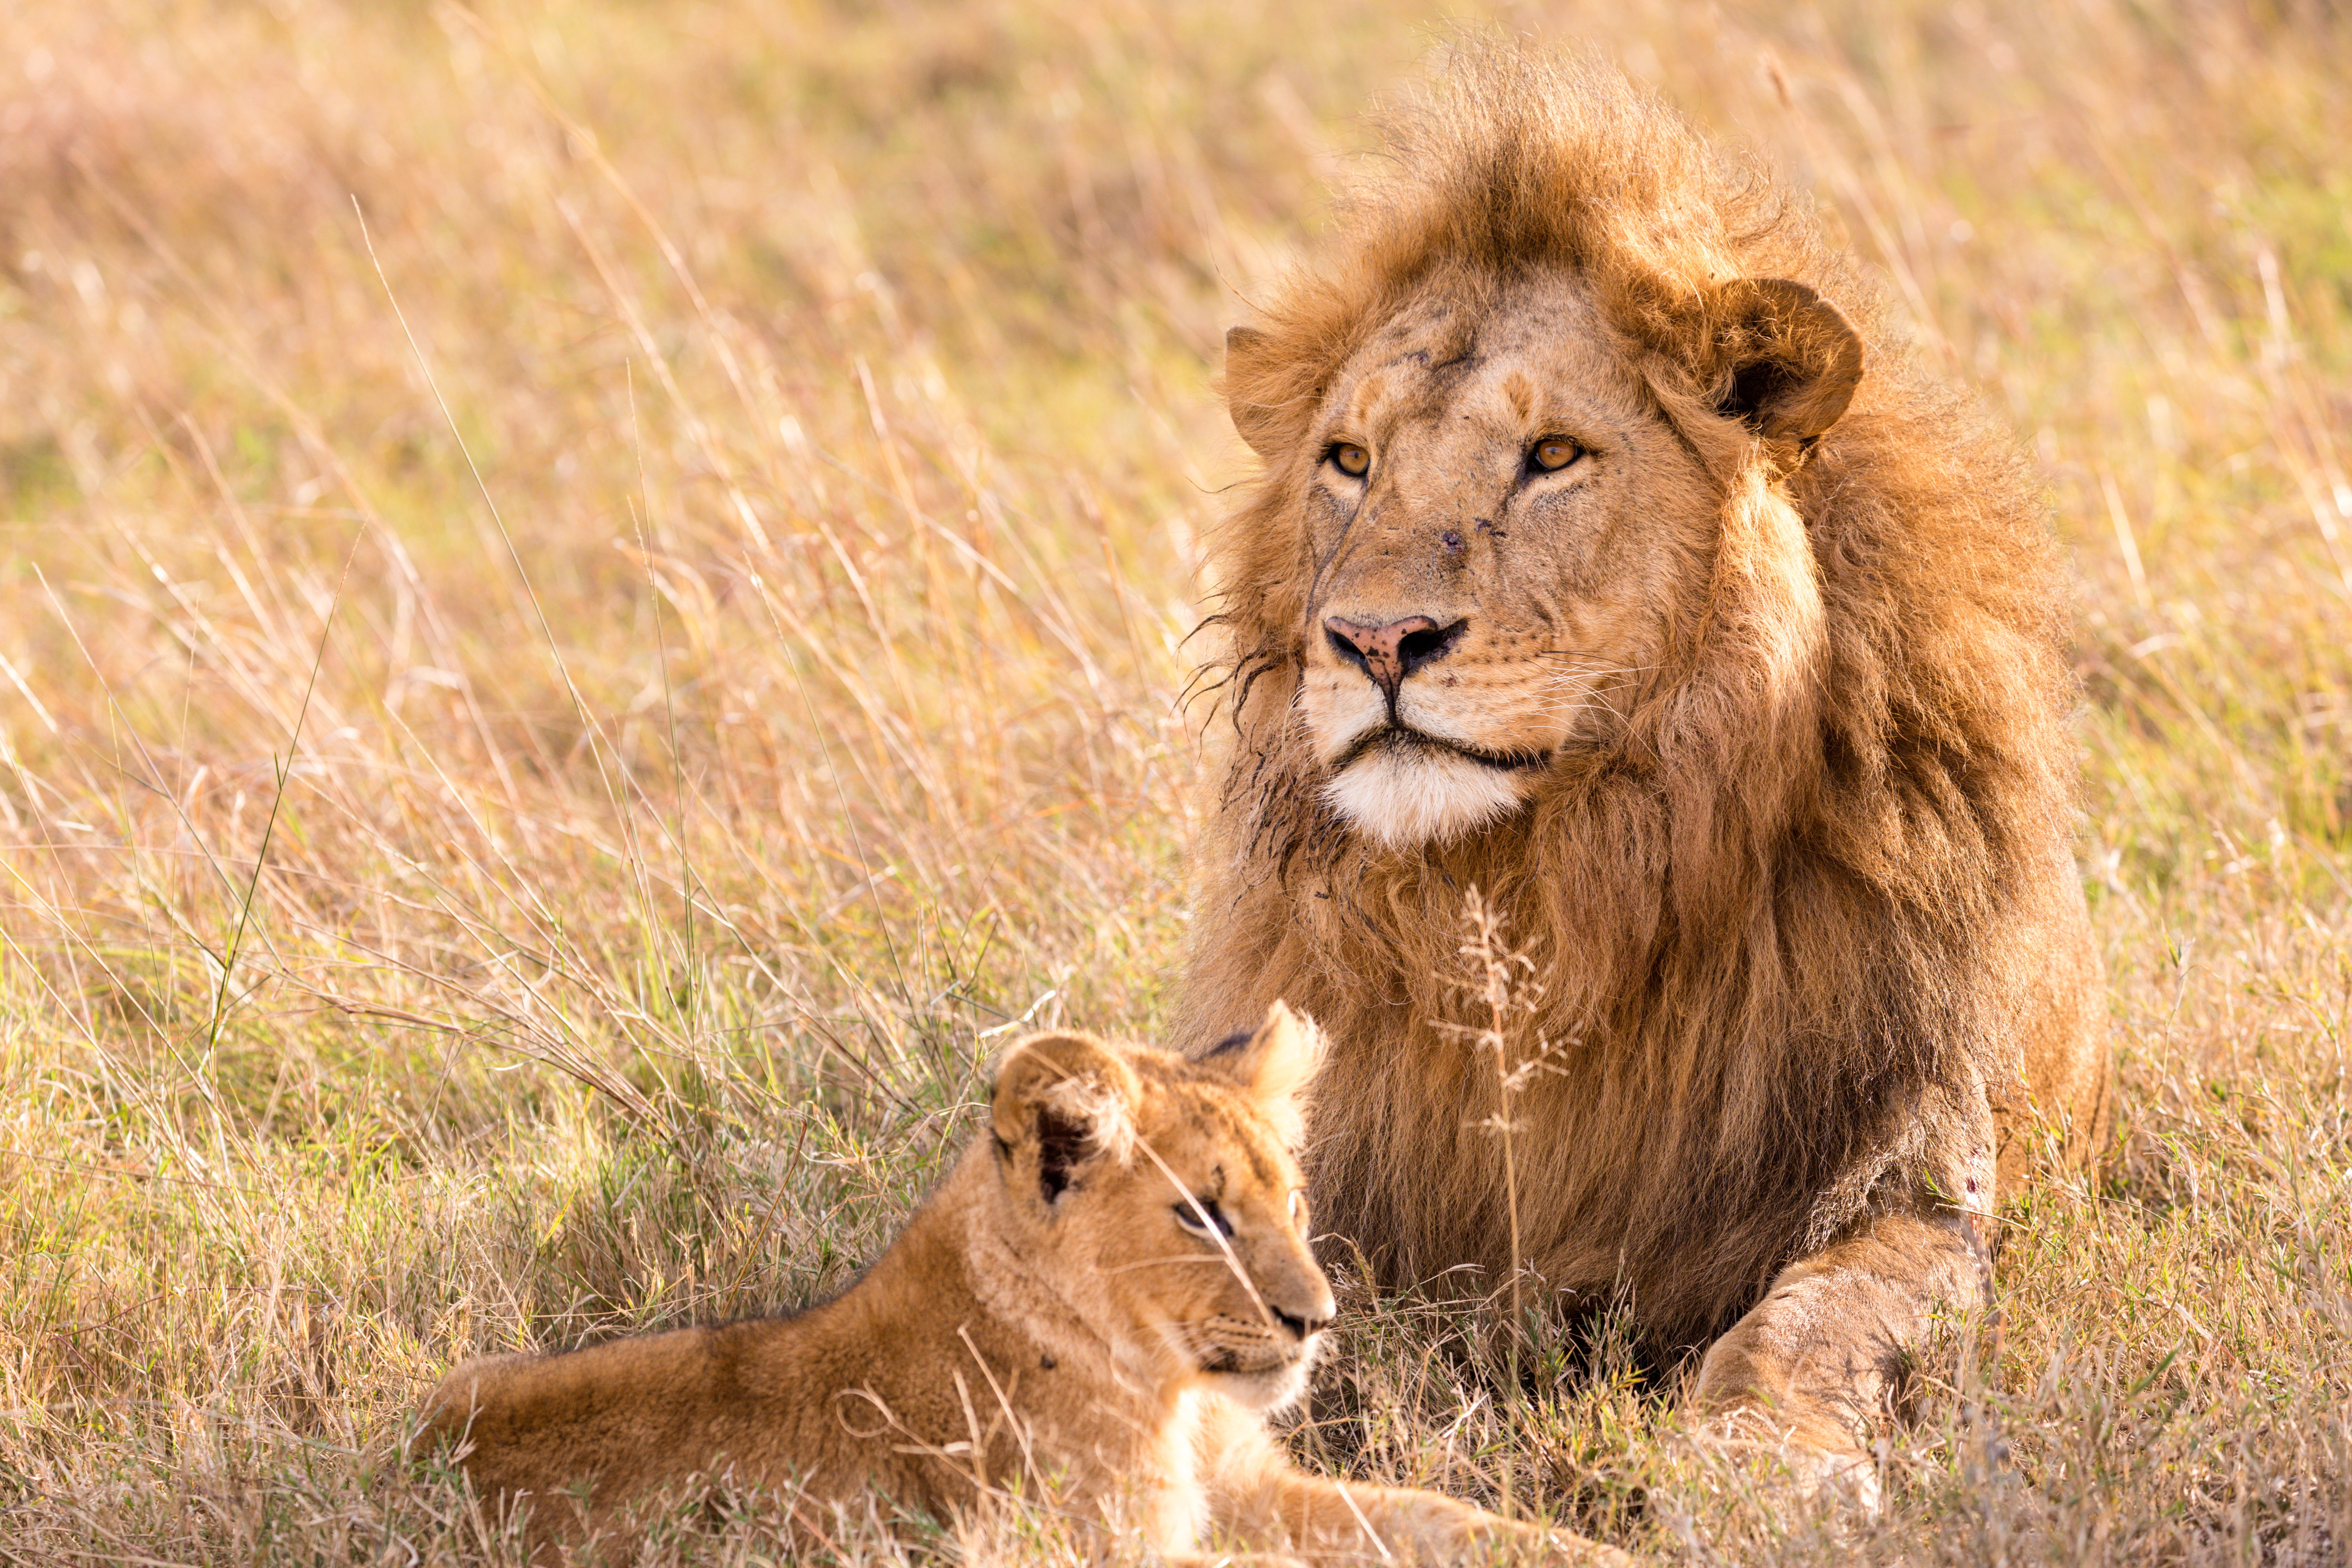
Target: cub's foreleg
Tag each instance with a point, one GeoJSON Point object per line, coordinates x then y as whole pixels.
{"type": "Point", "coordinates": [1812, 1368]}
{"type": "Point", "coordinates": [1259, 1497]}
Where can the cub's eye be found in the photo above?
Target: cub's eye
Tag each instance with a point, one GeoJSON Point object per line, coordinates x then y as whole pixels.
{"type": "Point", "coordinates": [1189, 1215]}
{"type": "Point", "coordinates": [1552, 454]}
{"type": "Point", "coordinates": [1350, 459]}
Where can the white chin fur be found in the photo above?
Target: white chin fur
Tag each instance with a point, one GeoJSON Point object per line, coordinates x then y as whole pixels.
{"type": "Point", "coordinates": [1405, 798]}
{"type": "Point", "coordinates": [1272, 1391]}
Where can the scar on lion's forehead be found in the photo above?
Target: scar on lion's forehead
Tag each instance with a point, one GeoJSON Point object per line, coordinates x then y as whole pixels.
{"type": "Point", "coordinates": [1369, 394]}
{"type": "Point", "coordinates": [1520, 392]}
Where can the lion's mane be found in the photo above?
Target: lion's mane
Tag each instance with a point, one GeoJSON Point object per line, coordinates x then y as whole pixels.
{"type": "Point", "coordinates": [1779, 924]}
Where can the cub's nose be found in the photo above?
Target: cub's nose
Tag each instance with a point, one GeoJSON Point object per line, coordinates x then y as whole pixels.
{"type": "Point", "coordinates": [1390, 653]}
{"type": "Point", "coordinates": [1303, 1325]}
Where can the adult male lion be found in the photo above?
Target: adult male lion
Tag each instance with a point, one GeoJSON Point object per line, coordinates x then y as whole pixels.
{"type": "Point", "coordinates": [1611, 558]}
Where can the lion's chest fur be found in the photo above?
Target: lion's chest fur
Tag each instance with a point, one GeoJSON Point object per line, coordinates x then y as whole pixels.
{"type": "Point", "coordinates": [1681, 1138]}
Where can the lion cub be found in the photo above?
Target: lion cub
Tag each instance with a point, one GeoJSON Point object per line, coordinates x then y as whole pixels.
{"type": "Point", "coordinates": [1098, 1302]}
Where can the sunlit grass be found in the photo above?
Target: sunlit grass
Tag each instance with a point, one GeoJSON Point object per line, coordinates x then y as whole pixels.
{"type": "Point", "coordinates": [715, 666]}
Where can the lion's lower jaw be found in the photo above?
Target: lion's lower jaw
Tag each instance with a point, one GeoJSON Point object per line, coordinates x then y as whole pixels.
{"type": "Point", "coordinates": [1402, 800]}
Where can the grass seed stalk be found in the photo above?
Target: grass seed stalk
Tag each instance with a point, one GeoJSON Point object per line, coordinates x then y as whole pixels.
{"type": "Point", "coordinates": [750, 692]}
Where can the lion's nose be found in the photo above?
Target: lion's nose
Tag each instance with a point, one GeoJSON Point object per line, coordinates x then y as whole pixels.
{"type": "Point", "coordinates": [1390, 653]}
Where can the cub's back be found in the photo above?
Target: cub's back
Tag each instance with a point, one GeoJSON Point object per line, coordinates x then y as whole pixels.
{"type": "Point", "coordinates": [628, 1417]}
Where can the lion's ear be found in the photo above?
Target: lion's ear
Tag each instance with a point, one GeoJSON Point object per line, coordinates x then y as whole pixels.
{"type": "Point", "coordinates": [1062, 1104]}
{"type": "Point", "coordinates": [1791, 357]}
{"type": "Point", "coordinates": [1247, 373]}
{"type": "Point", "coordinates": [1273, 1064]}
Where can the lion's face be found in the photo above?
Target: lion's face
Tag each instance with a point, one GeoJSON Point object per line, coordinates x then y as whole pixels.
{"type": "Point", "coordinates": [1169, 1188]}
{"type": "Point", "coordinates": [1499, 515]}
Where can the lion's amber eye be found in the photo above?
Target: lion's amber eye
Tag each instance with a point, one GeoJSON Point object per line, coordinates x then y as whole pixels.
{"type": "Point", "coordinates": [1554, 453]}
{"type": "Point", "coordinates": [1351, 459]}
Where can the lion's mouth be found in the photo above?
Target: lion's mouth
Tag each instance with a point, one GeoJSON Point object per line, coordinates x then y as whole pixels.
{"type": "Point", "coordinates": [1401, 738]}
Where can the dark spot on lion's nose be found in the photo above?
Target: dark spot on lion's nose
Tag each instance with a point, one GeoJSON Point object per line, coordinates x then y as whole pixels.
{"type": "Point", "coordinates": [1452, 540]}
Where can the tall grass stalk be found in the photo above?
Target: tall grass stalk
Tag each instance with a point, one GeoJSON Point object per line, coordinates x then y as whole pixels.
{"type": "Point", "coordinates": [623, 935]}
{"type": "Point", "coordinates": [1502, 980]}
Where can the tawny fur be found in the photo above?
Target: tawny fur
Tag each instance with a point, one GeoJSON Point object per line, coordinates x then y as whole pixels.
{"type": "Point", "coordinates": [1095, 1306]}
{"type": "Point", "coordinates": [1776, 682]}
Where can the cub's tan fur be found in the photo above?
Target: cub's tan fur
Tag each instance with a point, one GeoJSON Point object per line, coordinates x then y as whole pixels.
{"type": "Point", "coordinates": [1098, 1303]}
{"type": "Point", "coordinates": [1609, 557]}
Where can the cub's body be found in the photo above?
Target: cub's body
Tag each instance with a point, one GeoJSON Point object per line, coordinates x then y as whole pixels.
{"type": "Point", "coordinates": [880, 1390]}
{"type": "Point", "coordinates": [1096, 1308]}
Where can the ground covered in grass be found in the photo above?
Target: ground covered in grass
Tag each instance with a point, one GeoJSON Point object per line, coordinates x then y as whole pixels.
{"type": "Point", "coordinates": [594, 600]}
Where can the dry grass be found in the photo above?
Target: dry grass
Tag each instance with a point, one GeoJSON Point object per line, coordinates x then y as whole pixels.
{"type": "Point", "coordinates": [536, 754]}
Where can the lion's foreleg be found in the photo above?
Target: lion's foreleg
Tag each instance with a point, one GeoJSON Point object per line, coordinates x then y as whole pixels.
{"type": "Point", "coordinates": [1814, 1367]}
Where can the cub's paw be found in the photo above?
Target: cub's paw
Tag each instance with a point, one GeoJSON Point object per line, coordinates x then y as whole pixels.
{"type": "Point", "coordinates": [1818, 1460]}
{"type": "Point", "coordinates": [1494, 1539]}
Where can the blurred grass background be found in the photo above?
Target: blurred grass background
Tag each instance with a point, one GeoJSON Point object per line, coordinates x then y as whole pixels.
{"type": "Point", "coordinates": [595, 596]}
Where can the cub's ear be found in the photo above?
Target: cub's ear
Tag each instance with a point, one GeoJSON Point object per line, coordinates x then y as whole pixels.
{"type": "Point", "coordinates": [1248, 377]}
{"type": "Point", "coordinates": [1272, 1064]}
{"type": "Point", "coordinates": [1792, 357]}
{"type": "Point", "coordinates": [1062, 1104]}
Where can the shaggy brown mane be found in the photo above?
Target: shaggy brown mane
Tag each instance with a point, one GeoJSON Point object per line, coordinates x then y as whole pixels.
{"type": "Point", "coordinates": [1777, 923]}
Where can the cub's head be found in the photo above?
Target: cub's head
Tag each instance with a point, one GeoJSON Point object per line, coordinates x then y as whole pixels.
{"type": "Point", "coordinates": [1163, 1196]}
{"type": "Point", "coordinates": [1499, 521]}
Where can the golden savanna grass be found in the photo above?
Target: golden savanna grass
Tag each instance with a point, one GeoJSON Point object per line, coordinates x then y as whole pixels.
{"type": "Point", "coordinates": [596, 596]}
